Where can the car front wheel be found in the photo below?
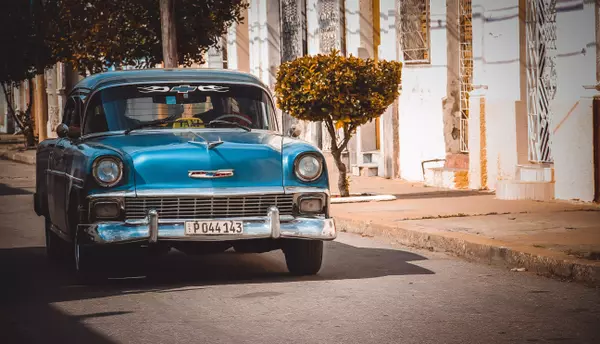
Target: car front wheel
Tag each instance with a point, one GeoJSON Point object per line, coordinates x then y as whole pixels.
{"type": "Point", "coordinates": [56, 248]}
{"type": "Point", "coordinates": [303, 257]}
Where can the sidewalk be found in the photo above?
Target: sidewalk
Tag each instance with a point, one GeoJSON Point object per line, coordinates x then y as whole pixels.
{"type": "Point", "coordinates": [557, 239]}
{"type": "Point", "coordinates": [16, 152]}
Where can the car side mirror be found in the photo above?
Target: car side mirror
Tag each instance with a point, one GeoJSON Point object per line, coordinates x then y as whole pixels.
{"type": "Point", "coordinates": [62, 130]}
{"type": "Point", "coordinates": [294, 131]}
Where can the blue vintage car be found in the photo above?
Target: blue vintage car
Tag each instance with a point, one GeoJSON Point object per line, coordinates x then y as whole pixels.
{"type": "Point", "coordinates": [190, 159]}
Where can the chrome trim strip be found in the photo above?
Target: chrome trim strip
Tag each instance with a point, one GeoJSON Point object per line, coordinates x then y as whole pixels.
{"type": "Point", "coordinates": [274, 222]}
{"type": "Point", "coordinates": [250, 191]}
{"type": "Point", "coordinates": [112, 194]}
{"type": "Point", "coordinates": [145, 220]}
{"type": "Point", "coordinates": [305, 189]}
{"type": "Point", "coordinates": [63, 174]}
{"type": "Point", "coordinates": [214, 192]}
{"type": "Point", "coordinates": [153, 225]}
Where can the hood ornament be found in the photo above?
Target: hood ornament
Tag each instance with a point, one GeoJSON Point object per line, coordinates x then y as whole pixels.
{"type": "Point", "coordinates": [209, 144]}
{"type": "Point", "coordinates": [210, 174]}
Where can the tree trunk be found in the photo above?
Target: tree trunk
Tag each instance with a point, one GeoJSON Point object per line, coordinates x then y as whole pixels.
{"type": "Point", "coordinates": [342, 178]}
{"type": "Point", "coordinates": [169, 38]}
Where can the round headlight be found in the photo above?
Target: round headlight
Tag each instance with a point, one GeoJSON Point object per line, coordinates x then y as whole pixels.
{"type": "Point", "coordinates": [308, 167]}
{"type": "Point", "coordinates": [108, 171]}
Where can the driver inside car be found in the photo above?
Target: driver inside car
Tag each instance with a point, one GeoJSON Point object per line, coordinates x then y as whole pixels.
{"type": "Point", "coordinates": [223, 109]}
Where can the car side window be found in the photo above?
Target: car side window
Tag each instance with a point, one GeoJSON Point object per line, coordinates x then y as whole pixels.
{"type": "Point", "coordinates": [95, 121]}
{"type": "Point", "coordinates": [72, 116]}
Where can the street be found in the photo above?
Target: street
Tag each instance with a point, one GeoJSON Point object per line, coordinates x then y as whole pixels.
{"type": "Point", "coordinates": [368, 291]}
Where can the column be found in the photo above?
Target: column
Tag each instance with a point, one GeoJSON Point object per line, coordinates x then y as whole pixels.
{"type": "Point", "coordinates": [312, 18]}
{"type": "Point", "coordinates": [53, 109]}
{"type": "Point", "coordinates": [389, 164]}
{"type": "Point", "coordinates": [238, 45]}
{"type": "Point", "coordinates": [291, 48]}
{"type": "Point", "coordinates": [477, 139]}
{"type": "Point", "coordinates": [332, 34]}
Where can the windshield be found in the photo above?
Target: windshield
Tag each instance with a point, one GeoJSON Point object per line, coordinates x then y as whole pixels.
{"type": "Point", "coordinates": [184, 106]}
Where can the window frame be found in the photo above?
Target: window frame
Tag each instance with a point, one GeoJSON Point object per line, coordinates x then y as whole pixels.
{"type": "Point", "coordinates": [402, 34]}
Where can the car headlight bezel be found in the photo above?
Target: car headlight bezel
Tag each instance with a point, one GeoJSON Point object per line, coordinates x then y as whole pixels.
{"type": "Point", "coordinates": [303, 177]}
{"type": "Point", "coordinates": [95, 170]}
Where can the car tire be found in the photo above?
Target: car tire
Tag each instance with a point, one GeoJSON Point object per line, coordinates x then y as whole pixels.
{"type": "Point", "coordinates": [303, 257]}
{"type": "Point", "coordinates": [85, 262]}
{"type": "Point", "coordinates": [56, 248]}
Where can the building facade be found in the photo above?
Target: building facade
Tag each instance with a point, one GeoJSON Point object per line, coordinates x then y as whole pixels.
{"type": "Point", "coordinates": [495, 95]}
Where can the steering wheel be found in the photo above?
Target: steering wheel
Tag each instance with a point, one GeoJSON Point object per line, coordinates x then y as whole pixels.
{"type": "Point", "coordinates": [238, 117]}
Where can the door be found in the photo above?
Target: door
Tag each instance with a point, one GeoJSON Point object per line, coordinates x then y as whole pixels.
{"type": "Point", "coordinates": [60, 162]}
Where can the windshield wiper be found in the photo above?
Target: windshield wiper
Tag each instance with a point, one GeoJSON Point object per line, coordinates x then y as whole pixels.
{"type": "Point", "coordinates": [166, 120]}
{"type": "Point", "coordinates": [220, 121]}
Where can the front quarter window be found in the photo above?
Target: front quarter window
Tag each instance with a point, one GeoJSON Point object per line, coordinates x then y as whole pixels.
{"type": "Point", "coordinates": [190, 105]}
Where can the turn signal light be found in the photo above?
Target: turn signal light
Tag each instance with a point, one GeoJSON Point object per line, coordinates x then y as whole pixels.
{"type": "Point", "coordinates": [311, 205]}
{"type": "Point", "coordinates": [106, 210]}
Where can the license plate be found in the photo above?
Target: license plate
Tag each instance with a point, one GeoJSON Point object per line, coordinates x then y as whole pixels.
{"type": "Point", "coordinates": [213, 227]}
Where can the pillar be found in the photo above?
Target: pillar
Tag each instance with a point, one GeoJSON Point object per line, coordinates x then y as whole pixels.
{"type": "Point", "coordinates": [389, 164]}
{"type": "Point", "coordinates": [52, 94]}
{"type": "Point", "coordinates": [332, 35]}
{"type": "Point", "coordinates": [478, 139]}
{"type": "Point", "coordinates": [40, 108]}
{"type": "Point", "coordinates": [238, 45]}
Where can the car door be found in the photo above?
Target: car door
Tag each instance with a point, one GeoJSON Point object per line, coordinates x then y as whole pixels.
{"type": "Point", "coordinates": [61, 168]}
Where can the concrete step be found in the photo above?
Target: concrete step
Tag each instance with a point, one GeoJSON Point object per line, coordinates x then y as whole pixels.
{"type": "Point", "coordinates": [524, 190]}
{"type": "Point", "coordinates": [371, 157]}
{"type": "Point", "coordinates": [365, 170]}
{"type": "Point", "coordinates": [448, 178]}
{"type": "Point", "coordinates": [535, 173]}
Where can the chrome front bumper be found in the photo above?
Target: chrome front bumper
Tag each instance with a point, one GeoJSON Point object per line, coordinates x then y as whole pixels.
{"type": "Point", "coordinates": [152, 229]}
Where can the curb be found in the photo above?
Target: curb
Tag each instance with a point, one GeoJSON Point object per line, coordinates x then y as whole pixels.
{"type": "Point", "coordinates": [467, 246]}
{"type": "Point", "coordinates": [357, 199]}
{"type": "Point", "coordinates": [17, 156]}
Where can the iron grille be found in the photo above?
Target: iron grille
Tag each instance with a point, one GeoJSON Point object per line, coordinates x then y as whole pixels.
{"type": "Point", "coordinates": [207, 207]}
{"type": "Point", "coordinates": [414, 30]}
{"type": "Point", "coordinates": [541, 76]}
{"type": "Point", "coordinates": [466, 69]}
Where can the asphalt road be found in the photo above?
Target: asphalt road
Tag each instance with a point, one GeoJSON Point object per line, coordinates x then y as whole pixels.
{"type": "Point", "coordinates": [368, 292]}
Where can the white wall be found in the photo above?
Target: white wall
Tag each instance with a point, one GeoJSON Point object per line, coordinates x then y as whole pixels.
{"type": "Point", "coordinates": [571, 123]}
{"type": "Point", "coordinates": [496, 50]}
{"type": "Point", "coordinates": [421, 116]}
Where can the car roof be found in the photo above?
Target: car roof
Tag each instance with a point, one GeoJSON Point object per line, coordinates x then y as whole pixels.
{"type": "Point", "coordinates": [123, 77]}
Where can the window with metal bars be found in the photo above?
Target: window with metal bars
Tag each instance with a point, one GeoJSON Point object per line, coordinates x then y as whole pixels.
{"type": "Point", "coordinates": [414, 31]}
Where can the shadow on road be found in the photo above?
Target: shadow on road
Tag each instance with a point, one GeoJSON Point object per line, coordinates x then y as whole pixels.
{"type": "Point", "coordinates": [31, 286]}
{"type": "Point", "coordinates": [6, 190]}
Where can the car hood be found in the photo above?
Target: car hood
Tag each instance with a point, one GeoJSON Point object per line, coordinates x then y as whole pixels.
{"type": "Point", "coordinates": [164, 159]}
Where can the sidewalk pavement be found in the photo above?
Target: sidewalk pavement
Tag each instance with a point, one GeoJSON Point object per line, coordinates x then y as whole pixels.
{"type": "Point", "coordinates": [556, 239]}
{"type": "Point", "coordinates": [17, 152]}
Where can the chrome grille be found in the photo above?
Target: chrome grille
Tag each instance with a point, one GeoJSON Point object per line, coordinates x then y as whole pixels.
{"type": "Point", "coordinates": [207, 207]}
